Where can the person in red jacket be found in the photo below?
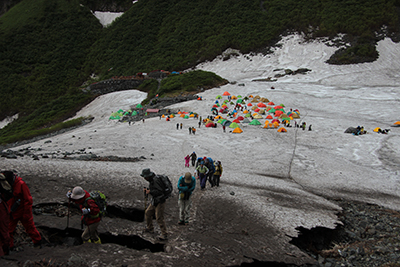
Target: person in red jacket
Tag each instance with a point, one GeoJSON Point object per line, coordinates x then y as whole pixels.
{"type": "Point", "coordinates": [4, 215]}
{"type": "Point", "coordinates": [90, 214]}
{"type": "Point", "coordinates": [20, 206]}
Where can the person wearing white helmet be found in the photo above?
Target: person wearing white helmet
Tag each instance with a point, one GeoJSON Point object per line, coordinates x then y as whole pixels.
{"type": "Point", "coordinates": [90, 214]}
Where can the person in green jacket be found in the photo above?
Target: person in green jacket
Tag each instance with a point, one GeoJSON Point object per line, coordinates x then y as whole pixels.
{"type": "Point", "coordinates": [202, 172]}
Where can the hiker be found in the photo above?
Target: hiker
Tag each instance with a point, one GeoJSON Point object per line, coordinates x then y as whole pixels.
{"type": "Point", "coordinates": [303, 125]}
{"type": "Point", "coordinates": [90, 214]}
{"type": "Point", "coordinates": [177, 126]}
{"type": "Point", "coordinates": [211, 169]}
{"type": "Point", "coordinates": [187, 159]}
{"type": "Point", "coordinates": [20, 206]}
{"type": "Point", "coordinates": [199, 160]}
{"type": "Point", "coordinates": [4, 216]}
{"type": "Point", "coordinates": [223, 128]}
{"type": "Point", "coordinates": [143, 120]}
{"type": "Point", "coordinates": [157, 205]}
{"type": "Point", "coordinates": [202, 172]}
{"type": "Point", "coordinates": [199, 124]}
{"type": "Point", "coordinates": [193, 130]}
{"type": "Point", "coordinates": [186, 185]}
{"type": "Point", "coordinates": [190, 130]}
{"type": "Point", "coordinates": [217, 173]}
{"type": "Point", "coordinates": [181, 126]}
{"type": "Point", "coordinates": [309, 127]}
{"type": "Point", "coordinates": [193, 156]}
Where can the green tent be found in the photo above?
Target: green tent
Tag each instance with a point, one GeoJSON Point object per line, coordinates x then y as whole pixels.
{"type": "Point", "coordinates": [134, 113]}
{"type": "Point", "coordinates": [186, 117]}
{"type": "Point", "coordinates": [255, 122]}
{"type": "Point", "coordinates": [221, 120]}
{"type": "Point", "coordinates": [139, 105]}
{"type": "Point", "coordinates": [218, 97]}
{"type": "Point", "coordinates": [233, 125]}
{"type": "Point", "coordinates": [239, 101]}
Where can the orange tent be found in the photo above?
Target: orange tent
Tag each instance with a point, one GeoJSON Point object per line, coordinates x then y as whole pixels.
{"type": "Point", "coordinates": [282, 130]}
{"type": "Point", "coordinates": [237, 130]}
{"type": "Point", "coordinates": [269, 117]}
{"type": "Point", "coordinates": [226, 93]}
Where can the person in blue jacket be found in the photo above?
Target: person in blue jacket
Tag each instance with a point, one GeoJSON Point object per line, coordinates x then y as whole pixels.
{"type": "Point", "coordinates": [211, 169]}
{"type": "Point", "coordinates": [186, 185]}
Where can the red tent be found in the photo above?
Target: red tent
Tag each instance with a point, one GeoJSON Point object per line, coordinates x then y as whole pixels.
{"type": "Point", "coordinates": [210, 124]}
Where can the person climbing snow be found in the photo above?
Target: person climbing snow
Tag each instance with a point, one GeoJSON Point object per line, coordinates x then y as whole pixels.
{"type": "Point", "coordinates": [187, 159]}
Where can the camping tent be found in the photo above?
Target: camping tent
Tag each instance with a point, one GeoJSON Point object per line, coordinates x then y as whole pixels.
{"type": "Point", "coordinates": [226, 93]}
{"type": "Point", "coordinates": [282, 130]}
{"type": "Point", "coordinates": [210, 124]}
{"type": "Point", "coordinates": [233, 125]}
{"type": "Point", "coordinates": [237, 130]}
{"type": "Point", "coordinates": [255, 122]}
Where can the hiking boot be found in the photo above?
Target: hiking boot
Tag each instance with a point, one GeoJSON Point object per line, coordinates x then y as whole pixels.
{"type": "Point", "coordinates": [147, 230]}
{"type": "Point", "coordinates": [181, 222]}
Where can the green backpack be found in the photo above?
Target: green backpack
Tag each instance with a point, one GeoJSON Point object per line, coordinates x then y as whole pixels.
{"type": "Point", "coordinates": [101, 201]}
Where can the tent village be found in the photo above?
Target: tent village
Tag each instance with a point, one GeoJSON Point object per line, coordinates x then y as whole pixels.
{"type": "Point", "coordinates": [234, 112]}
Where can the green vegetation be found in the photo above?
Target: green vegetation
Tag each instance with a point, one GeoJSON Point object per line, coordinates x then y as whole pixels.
{"type": "Point", "coordinates": [49, 48]}
{"type": "Point", "coordinates": [189, 82]}
{"type": "Point", "coordinates": [46, 119]}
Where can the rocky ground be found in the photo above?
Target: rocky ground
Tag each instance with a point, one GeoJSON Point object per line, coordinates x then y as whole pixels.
{"type": "Point", "coordinates": [216, 236]}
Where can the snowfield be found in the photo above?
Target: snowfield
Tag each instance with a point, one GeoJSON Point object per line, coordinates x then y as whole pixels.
{"type": "Point", "coordinates": [285, 179]}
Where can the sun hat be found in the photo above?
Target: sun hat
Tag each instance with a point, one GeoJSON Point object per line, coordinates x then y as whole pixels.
{"type": "Point", "coordinates": [146, 173]}
{"type": "Point", "coordinates": [188, 177]}
{"type": "Point", "coordinates": [78, 193]}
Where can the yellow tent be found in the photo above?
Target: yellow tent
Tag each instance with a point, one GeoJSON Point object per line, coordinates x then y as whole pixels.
{"type": "Point", "coordinates": [246, 111]}
{"type": "Point", "coordinates": [163, 116]}
{"type": "Point", "coordinates": [257, 116]}
{"type": "Point", "coordinates": [237, 130]}
{"type": "Point", "coordinates": [234, 97]}
{"type": "Point", "coordinates": [191, 115]}
{"type": "Point", "coordinates": [218, 117]}
{"type": "Point", "coordinates": [377, 129]}
{"type": "Point", "coordinates": [171, 116]}
{"type": "Point", "coordinates": [295, 115]}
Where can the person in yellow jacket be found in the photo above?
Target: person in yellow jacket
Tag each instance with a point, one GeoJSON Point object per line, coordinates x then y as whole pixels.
{"type": "Point", "coordinates": [217, 173]}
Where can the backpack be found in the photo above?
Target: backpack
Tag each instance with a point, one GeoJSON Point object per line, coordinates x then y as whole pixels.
{"type": "Point", "coordinates": [167, 186]}
{"type": "Point", "coordinates": [6, 188]}
{"type": "Point", "coordinates": [101, 201]}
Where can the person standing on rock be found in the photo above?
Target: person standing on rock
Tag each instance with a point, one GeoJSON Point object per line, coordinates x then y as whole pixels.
{"type": "Point", "coordinates": [90, 214]}
{"type": "Point", "coordinates": [186, 186]}
{"type": "Point", "coordinates": [20, 206]}
{"type": "Point", "coordinates": [157, 205]}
